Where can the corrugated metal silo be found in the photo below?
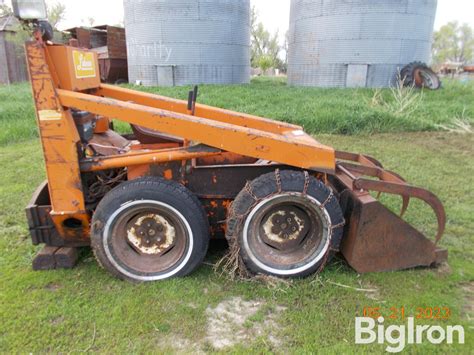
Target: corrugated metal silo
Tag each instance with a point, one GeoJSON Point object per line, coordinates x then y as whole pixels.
{"type": "Point", "coordinates": [357, 43]}
{"type": "Point", "coordinates": [180, 42]}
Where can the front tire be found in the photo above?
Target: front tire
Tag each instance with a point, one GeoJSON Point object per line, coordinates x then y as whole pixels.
{"type": "Point", "coordinates": [286, 224]}
{"type": "Point", "coordinates": [149, 229]}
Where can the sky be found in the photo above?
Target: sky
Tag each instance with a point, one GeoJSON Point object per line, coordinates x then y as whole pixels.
{"type": "Point", "coordinates": [273, 13]}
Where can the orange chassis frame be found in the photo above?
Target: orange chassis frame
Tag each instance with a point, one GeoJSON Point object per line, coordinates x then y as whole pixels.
{"type": "Point", "coordinates": [222, 134]}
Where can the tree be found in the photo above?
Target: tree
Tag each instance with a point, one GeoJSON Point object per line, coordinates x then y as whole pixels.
{"type": "Point", "coordinates": [285, 48]}
{"type": "Point", "coordinates": [453, 42]}
{"type": "Point", "coordinates": [90, 21]}
{"type": "Point", "coordinates": [5, 10]}
{"type": "Point", "coordinates": [56, 13]}
{"type": "Point", "coordinates": [265, 48]}
{"type": "Point", "coordinates": [265, 62]}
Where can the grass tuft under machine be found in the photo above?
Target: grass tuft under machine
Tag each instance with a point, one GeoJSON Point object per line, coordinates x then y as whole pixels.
{"type": "Point", "coordinates": [149, 202]}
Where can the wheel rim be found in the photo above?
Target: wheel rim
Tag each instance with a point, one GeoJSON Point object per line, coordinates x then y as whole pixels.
{"type": "Point", "coordinates": [148, 240]}
{"type": "Point", "coordinates": [287, 234]}
{"type": "Point", "coordinates": [418, 78]}
{"type": "Point", "coordinates": [426, 78]}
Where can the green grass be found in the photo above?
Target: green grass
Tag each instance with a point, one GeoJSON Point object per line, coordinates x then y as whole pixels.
{"type": "Point", "coordinates": [333, 111]}
{"type": "Point", "coordinates": [86, 309]}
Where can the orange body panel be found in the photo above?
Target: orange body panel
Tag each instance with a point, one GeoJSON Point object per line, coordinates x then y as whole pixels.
{"type": "Point", "coordinates": [75, 69]}
{"type": "Point", "coordinates": [102, 125]}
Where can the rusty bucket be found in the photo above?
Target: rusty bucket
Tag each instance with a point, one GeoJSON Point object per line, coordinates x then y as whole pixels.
{"type": "Point", "coordinates": [377, 239]}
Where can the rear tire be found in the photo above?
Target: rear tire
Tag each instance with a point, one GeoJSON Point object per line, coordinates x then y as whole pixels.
{"type": "Point", "coordinates": [286, 224]}
{"type": "Point", "coordinates": [149, 229]}
{"type": "Point", "coordinates": [419, 75]}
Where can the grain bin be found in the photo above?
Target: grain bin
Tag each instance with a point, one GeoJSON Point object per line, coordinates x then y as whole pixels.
{"type": "Point", "coordinates": [357, 43]}
{"type": "Point", "coordinates": [181, 42]}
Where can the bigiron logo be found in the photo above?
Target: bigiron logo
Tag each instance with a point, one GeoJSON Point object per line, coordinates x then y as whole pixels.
{"type": "Point", "coordinates": [367, 331]}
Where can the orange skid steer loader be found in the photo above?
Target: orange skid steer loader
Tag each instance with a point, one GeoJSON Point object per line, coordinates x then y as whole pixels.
{"type": "Point", "coordinates": [148, 202]}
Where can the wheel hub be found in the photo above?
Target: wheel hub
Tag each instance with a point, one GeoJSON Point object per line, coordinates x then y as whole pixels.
{"type": "Point", "coordinates": [151, 234]}
{"type": "Point", "coordinates": [285, 228]}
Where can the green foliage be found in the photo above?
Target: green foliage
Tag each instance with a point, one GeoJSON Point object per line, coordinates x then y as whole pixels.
{"type": "Point", "coordinates": [340, 111]}
{"type": "Point", "coordinates": [5, 10]}
{"type": "Point", "coordinates": [56, 13]}
{"type": "Point", "coordinates": [265, 62]}
{"type": "Point", "coordinates": [403, 101]}
{"type": "Point", "coordinates": [265, 48]}
{"type": "Point", "coordinates": [453, 42]}
{"type": "Point", "coordinates": [17, 115]}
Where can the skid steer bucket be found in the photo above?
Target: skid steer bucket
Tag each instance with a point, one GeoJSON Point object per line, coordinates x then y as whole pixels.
{"type": "Point", "coordinates": [376, 239]}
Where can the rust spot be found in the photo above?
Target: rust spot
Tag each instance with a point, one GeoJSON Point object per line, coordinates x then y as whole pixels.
{"type": "Point", "coordinates": [226, 204]}
{"type": "Point", "coordinates": [262, 148]}
{"type": "Point", "coordinates": [168, 174]}
{"type": "Point", "coordinates": [151, 234]}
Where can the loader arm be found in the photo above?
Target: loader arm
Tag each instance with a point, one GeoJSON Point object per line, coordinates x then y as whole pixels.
{"type": "Point", "coordinates": [294, 147]}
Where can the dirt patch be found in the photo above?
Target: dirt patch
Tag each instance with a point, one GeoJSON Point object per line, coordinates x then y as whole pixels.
{"type": "Point", "coordinates": [372, 292]}
{"type": "Point", "coordinates": [236, 321]}
{"type": "Point", "coordinates": [57, 320]}
{"type": "Point", "coordinates": [53, 287]}
{"type": "Point", "coordinates": [444, 270]}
